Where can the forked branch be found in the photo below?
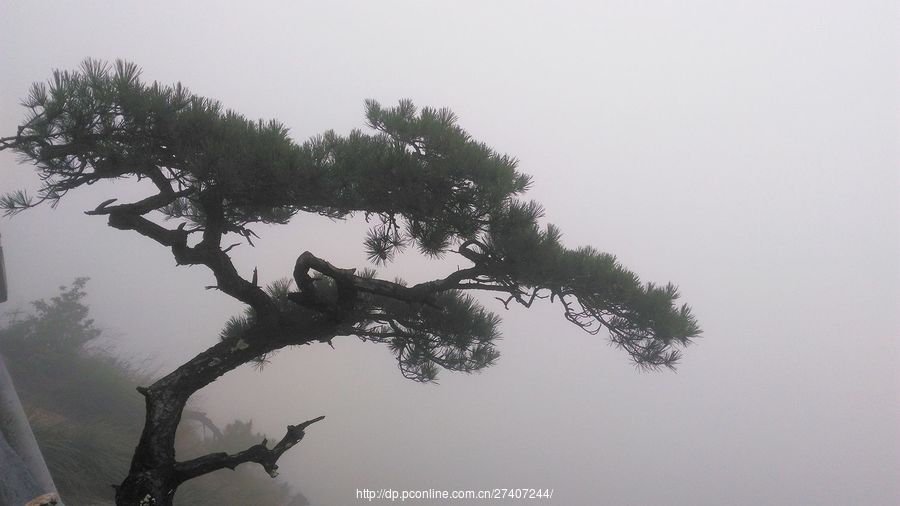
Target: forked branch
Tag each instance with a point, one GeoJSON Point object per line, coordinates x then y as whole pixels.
{"type": "Point", "coordinates": [259, 454]}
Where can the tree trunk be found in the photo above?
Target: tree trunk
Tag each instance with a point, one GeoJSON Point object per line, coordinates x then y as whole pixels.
{"type": "Point", "coordinates": [155, 474]}
{"type": "Point", "coordinates": [151, 481]}
{"type": "Point", "coordinates": [149, 488]}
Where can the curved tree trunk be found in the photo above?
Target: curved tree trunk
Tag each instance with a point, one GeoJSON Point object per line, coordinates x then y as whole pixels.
{"type": "Point", "coordinates": [151, 479]}
{"type": "Point", "coordinates": [155, 475]}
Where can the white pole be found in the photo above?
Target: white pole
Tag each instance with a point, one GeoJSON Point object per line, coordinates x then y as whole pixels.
{"type": "Point", "coordinates": [23, 472]}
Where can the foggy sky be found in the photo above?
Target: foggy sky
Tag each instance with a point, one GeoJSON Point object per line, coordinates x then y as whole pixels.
{"type": "Point", "coordinates": [747, 151]}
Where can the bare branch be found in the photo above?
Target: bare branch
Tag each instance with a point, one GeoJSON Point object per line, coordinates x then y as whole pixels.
{"type": "Point", "coordinates": [206, 253]}
{"type": "Point", "coordinates": [144, 206]}
{"type": "Point", "coordinates": [259, 454]}
{"type": "Point", "coordinates": [422, 293]}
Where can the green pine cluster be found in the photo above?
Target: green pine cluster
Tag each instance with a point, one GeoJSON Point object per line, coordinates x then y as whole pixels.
{"type": "Point", "coordinates": [418, 177]}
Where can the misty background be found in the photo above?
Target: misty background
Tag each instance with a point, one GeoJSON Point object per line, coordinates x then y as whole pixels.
{"type": "Point", "coordinates": [747, 151]}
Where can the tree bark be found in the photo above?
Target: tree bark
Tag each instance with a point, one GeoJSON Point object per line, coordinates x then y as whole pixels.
{"type": "Point", "coordinates": [155, 475]}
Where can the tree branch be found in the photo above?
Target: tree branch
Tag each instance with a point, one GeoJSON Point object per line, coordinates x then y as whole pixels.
{"type": "Point", "coordinates": [209, 254]}
{"type": "Point", "coordinates": [422, 293]}
{"type": "Point", "coordinates": [259, 454]}
{"type": "Point", "coordinates": [141, 207]}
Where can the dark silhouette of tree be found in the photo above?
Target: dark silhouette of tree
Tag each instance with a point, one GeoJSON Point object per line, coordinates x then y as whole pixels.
{"type": "Point", "coordinates": [419, 179]}
{"type": "Point", "coordinates": [81, 404]}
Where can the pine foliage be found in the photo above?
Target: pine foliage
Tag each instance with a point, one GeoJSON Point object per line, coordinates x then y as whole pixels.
{"type": "Point", "coordinates": [455, 333]}
{"type": "Point", "coordinates": [416, 176]}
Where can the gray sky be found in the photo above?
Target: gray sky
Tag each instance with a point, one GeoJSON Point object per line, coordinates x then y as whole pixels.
{"type": "Point", "coordinates": [747, 151]}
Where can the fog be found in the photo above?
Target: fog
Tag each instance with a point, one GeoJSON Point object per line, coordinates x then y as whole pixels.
{"type": "Point", "coordinates": [747, 151]}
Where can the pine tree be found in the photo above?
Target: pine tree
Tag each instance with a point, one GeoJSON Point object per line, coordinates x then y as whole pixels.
{"type": "Point", "coordinates": [418, 178]}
